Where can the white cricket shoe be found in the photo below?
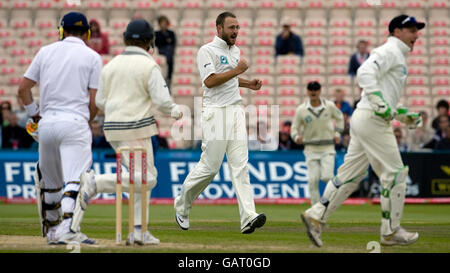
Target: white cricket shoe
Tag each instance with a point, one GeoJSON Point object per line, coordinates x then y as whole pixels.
{"type": "Point", "coordinates": [149, 239]}
{"type": "Point", "coordinates": [88, 188]}
{"type": "Point", "coordinates": [399, 237]}
{"type": "Point", "coordinates": [182, 221]}
{"type": "Point", "coordinates": [52, 238]}
{"type": "Point", "coordinates": [313, 229]}
{"type": "Point", "coordinates": [75, 237]}
{"type": "Point", "coordinates": [257, 222]}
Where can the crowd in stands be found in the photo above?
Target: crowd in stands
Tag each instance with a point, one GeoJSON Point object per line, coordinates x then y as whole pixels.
{"type": "Point", "coordinates": [434, 136]}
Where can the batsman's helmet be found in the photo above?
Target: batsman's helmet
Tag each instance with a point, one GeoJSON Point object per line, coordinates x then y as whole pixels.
{"type": "Point", "coordinates": [139, 29]}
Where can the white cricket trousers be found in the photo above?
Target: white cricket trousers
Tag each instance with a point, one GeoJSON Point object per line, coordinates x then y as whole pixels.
{"type": "Point", "coordinates": [224, 131]}
{"type": "Point", "coordinates": [372, 141]}
{"type": "Point", "coordinates": [320, 167]}
{"type": "Point", "coordinates": [64, 154]}
{"type": "Point", "coordinates": [107, 182]}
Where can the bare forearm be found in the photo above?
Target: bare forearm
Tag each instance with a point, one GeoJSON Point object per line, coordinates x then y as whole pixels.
{"type": "Point", "coordinates": [244, 83]}
{"type": "Point", "coordinates": [92, 106]}
{"type": "Point", "coordinates": [25, 91]}
{"type": "Point", "coordinates": [219, 79]}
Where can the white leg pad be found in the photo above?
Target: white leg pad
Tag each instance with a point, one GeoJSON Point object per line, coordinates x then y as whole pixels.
{"type": "Point", "coordinates": [335, 194]}
{"type": "Point", "coordinates": [392, 202]}
{"type": "Point", "coordinates": [48, 203]}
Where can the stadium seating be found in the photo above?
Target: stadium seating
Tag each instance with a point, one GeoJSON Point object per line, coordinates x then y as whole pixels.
{"type": "Point", "coordinates": [329, 31]}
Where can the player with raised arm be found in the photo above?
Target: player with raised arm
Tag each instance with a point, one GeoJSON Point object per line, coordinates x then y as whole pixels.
{"type": "Point", "coordinates": [223, 125]}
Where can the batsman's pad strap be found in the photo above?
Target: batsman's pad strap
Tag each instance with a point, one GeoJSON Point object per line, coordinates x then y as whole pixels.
{"type": "Point", "coordinates": [386, 214]}
{"type": "Point", "coordinates": [38, 171]}
{"type": "Point", "coordinates": [46, 206]}
{"type": "Point", "coordinates": [385, 193]}
{"type": "Point", "coordinates": [51, 190]}
{"type": "Point", "coordinates": [67, 215]}
{"type": "Point", "coordinates": [324, 201]}
{"type": "Point", "coordinates": [51, 223]}
{"type": "Point", "coordinates": [336, 182]}
{"type": "Point", "coordinates": [71, 194]}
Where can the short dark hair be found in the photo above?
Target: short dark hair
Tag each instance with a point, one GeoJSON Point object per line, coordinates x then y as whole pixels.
{"type": "Point", "coordinates": [313, 86]}
{"type": "Point", "coordinates": [163, 18]}
{"type": "Point", "coordinates": [144, 43]}
{"type": "Point", "coordinates": [362, 42]}
{"type": "Point", "coordinates": [75, 31]}
{"type": "Point", "coordinates": [221, 18]}
{"type": "Point", "coordinates": [442, 103]}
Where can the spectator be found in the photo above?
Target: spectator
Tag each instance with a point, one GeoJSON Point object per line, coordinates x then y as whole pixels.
{"type": "Point", "coordinates": [341, 104]}
{"type": "Point", "coordinates": [286, 129]}
{"type": "Point", "coordinates": [357, 99]}
{"type": "Point", "coordinates": [402, 145]}
{"type": "Point", "coordinates": [158, 141]}
{"type": "Point", "coordinates": [345, 141]}
{"type": "Point", "coordinates": [287, 42]}
{"type": "Point", "coordinates": [444, 143]}
{"type": "Point", "coordinates": [99, 41]}
{"type": "Point", "coordinates": [166, 41]}
{"type": "Point", "coordinates": [98, 138]}
{"type": "Point", "coordinates": [444, 123]}
{"type": "Point", "coordinates": [14, 136]}
{"type": "Point", "coordinates": [442, 108]}
{"type": "Point", "coordinates": [358, 58]}
{"type": "Point", "coordinates": [422, 135]}
{"type": "Point", "coordinates": [21, 113]}
{"type": "Point", "coordinates": [6, 109]}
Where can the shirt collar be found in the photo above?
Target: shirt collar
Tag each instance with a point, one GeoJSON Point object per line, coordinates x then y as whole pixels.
{"type": "Point", "coordinates": [400, 44]}
{"type": "Point", "coordinates": [221, 43]}
{"type": "Point", "coordinates": [321, 106]}
{"type": "Point", "coordinates": [73, 39]}
{"type": "Point", "coordinates": [136, 49]}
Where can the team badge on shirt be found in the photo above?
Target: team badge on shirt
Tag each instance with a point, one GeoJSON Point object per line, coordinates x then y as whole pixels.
{"type": "Point", "coordinates": [223, 60]}
{"type": "Point", "coordinates": [308, 119]}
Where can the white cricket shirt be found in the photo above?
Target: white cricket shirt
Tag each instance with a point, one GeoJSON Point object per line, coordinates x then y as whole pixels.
{"type": "Point", "coordinates": [65, 71]}
{"type": "Point", "coordinates": [214, 58]}
{"type": "Point", "coordinates": [385, 71]}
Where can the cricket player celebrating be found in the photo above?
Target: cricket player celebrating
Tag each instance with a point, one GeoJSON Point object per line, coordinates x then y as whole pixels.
{"type": "Point", "coordinates": [129, 86]}
{"type": "Point", "coordinates": [68, 72]}
{"type": "Point", "coordinates": [223, 125]}
{"type": "Point", "coordinates": [316, 117]}
{"type": "Point", "coordinates": [382, 78]}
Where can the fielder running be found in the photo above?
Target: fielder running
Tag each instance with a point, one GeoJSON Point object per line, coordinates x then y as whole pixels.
{"type": "Point", "coordinates": [382, 78]}
{"type": "Point", "coordinates": [129, 86]}
{"type": "Point", "coordinates": [315, 116]}
{"type": "Point", "coordinates": [223, 125]}
{"type": "Point", "coordinates": [68, 72]}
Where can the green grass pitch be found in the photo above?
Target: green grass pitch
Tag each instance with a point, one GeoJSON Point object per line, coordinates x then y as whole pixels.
{"type": "Point", "coordinates": [215, 228]}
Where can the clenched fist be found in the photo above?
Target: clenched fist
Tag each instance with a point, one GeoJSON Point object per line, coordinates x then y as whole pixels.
{"type": "Point", "coordinates": [242, 66]}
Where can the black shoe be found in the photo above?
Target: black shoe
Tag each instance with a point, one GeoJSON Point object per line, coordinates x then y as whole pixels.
{"type": "Point", "coordinates": [258, 222]}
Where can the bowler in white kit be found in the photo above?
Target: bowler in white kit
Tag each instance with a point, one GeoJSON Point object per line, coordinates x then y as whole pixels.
{"type": "Point", "coordinates": [223, 126]}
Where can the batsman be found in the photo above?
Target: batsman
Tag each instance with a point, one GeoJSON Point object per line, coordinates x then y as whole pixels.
{"type": "Point", "coordinates": [383, 78]}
